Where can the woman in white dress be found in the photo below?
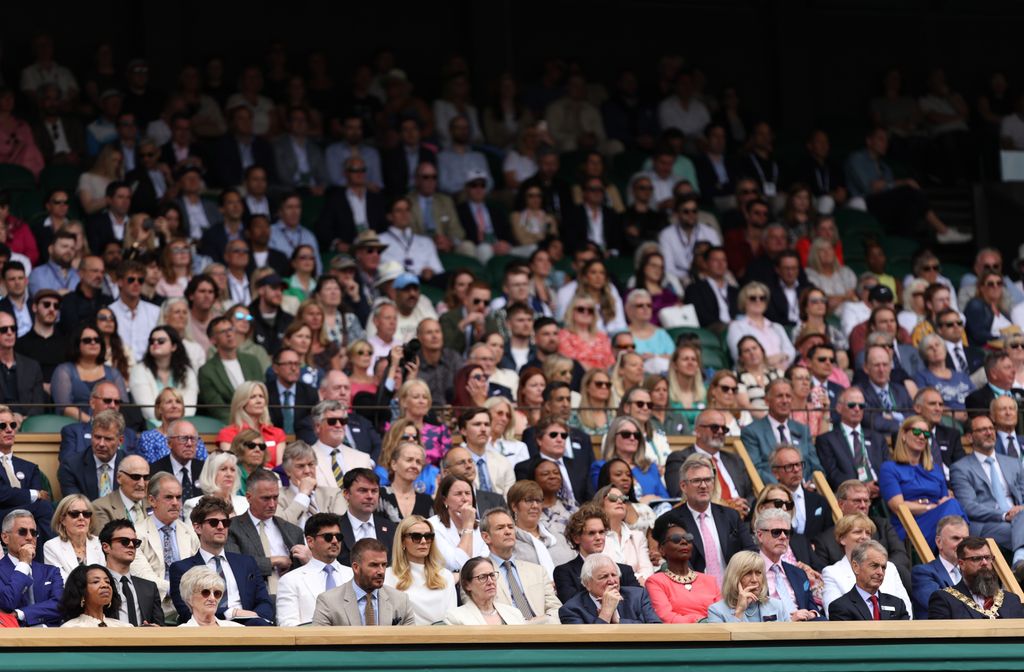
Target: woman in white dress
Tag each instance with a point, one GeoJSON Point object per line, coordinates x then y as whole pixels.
{"type": "Point", "coordinates": [479, 581]}
{"type": "Point", "coordinates": [456, 533]}
{"type": "Point", "coordinates": [417, 569]}
{"type": "Point", "coordinates": [73, 546]}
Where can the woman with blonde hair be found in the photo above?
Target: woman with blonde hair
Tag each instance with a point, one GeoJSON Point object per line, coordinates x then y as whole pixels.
{"type": "Point", "coordinates": [851, 531]}
{"type": "Point", "coordinates": [724, 395]}
{"type": "Point", "coordinates": [174, 313]}
{"type": "Point", "coordinates": [581, 339]}
{"type": "Point", "coordinates": [625, 440]}
{"type": "Point", "coordinates": [414, 403]}
{"type": "Point", "coordinates": [417, 569]}
{"type": "Point", "coordinates": [745, 593]}
{"type": "Point", "coordinates": [249, 411]}
{"type": "Point", "coordinates": [594, 414]}
{"type": "Point", "coordinates": [175, 268]}
{"type": "Point", "coordinates": [752, 303]}
{"type": "Point", "coordinates": [686, 391]}
{"type": "Point", "coordinates": [219, 478]}
{"type": "Point", "coordinates": [651, 341]}
{"type": "Point", "coordinates": [73, 545]}
{"type": "Point", "coordinates": [627, 373]}
{"type": "Point", "coordinates": [92, 185]}
{"type": "Point", "coordinates": [395, 469]}
{"type": "Point", "coordinates": [826, 273]}
{"type": "Point", "coordinates": [360, 356]}
{"type": "Point", "coordinates": [503, 430]}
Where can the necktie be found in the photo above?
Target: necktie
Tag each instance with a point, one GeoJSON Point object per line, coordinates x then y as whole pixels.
{"type": "Point", "coordinates": [105, 484]}
{"type": "Point", "coordinates": [518, 596]}
{"type": "Point", "coordinates": [860, 454]}
{"type": "Point", "coordinates": [129, 600]}
{"type": "Point", "coordinates": [726, 491]}
{"type": "Point", "coordinates": [12, 477]}
{"type": "Point", "coordinates": [781, 591]}
{"type": "Point", "coordinates": [712, 563]}
{"type": "Point", "coordinates": [186, 485]}
{"type": "Point", "coordinates": [329, 582]}
{"type": "Point", "coordinates": [565, 493]}
{"type": "Point", "coordinates": [998, 493]}
{"type": "Point", "coordinates": [481, 223]}
{"type": "Point", "coordinates": [886, 399]}
{"type": "Point", "coordinates": [339, 475]}
{"type": "Point", "coordinates": [138, 512]}
{"type": "Point", "coordinates": [988, 602]}
{"type": "Point", "coordinates": [223, 604]}
{"type": "Point", "coordinates": [485, 478]}
{"type": "Point", "coordinates": [961, 360]}
{"type": "Point", "coordinates": [1011, 446]}
{"type": "Point", "coordinates": [311, 509]}
{"type": "Point", "coordinates": [428, 215]}
{"type": "Point", "coordinates": [369, 615]}
{"type": "Point", "coordinates": [169, 558]}
{"type": "Point", "coordinates": [955, 574]}
{"type": "Point", "coordinates": [288, 412]}
{"type": "Point", "coordinates": [265, 543]}
{"type": "Point", "coordinates": [783, 436]}
{"type": "Point", "coordinates": [876, 613]}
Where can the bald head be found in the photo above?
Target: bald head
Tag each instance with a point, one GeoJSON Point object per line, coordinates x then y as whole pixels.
{"type": "Point", "coordinates": [105, 397]}
{"type": "Point", "coordinates": [133, 477]}
{"type": "Point", "coordinates": [459, 461]}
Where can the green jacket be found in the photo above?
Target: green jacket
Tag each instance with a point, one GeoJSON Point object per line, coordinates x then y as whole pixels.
{"type": "Point", "coordinates": [215, 387]}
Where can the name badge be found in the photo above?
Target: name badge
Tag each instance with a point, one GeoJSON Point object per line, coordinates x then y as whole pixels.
{"type": "Point", "coordinates": [769, 618]}
{"type": "Point", "coordinates": [769, 189]}
{"type": "Point", "coordinates": [888, 608]}
{"type": "Point", "coordinates": [356, 430]}
{"type": "Point", "coordinates": [862, 474]}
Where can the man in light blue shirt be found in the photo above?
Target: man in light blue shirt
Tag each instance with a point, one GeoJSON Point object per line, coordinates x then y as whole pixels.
{"type": "Point", "coordinates": [287, 233]}
{"type": "Point", "coordinates": [352, 145]}
{"type": "Point", "coordinates": [57, 274]}
{"type": "Point", "coordinates": [455, 164]}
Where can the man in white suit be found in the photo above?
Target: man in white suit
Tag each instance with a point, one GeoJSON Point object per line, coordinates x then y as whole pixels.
{"type": "Point", "coordinates": [333, 456]}
{"type": "Point", "coordinates": [165, 538]}
{"type": "Point", "coordinates": [364, 600]}
{"type": "Point", "coordinates": [298, 589]}
{"type": "Point", "coordinates": [494, 472]}
{"type": "Point", "coordinates": [522, 584]}
{"type": "Point", "coordinates": [303, 497]}
{"type": "Point", "coordinates": [990, 488]}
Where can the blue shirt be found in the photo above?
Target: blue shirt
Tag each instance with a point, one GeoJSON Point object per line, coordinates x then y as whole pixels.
{"type": "Point", "coordinates": [453, 169]}
{"type": "Point", "coordinates": [862, 170]}
{"type": "Point", "coordinates": [51, 276]}
{"type": "Point", "coordinates": [338, 153]}
{"type": "Point", "coordinates": [361, 596]}
{"type": "Point", "coordinates": [285, 240]}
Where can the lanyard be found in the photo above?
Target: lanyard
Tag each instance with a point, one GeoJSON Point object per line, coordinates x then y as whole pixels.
{"type": "Point", "coordinates": [760, 173]}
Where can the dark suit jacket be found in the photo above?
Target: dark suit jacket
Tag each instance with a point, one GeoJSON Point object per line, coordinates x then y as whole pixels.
{"type": "Point", "coordinates": [27, 472]}
{"type": "Point", "coordinates": [214, 241]}
{"type": "Point", "coordinates": [977, 402]}
{"type": "Point", "coordinates": [77, 439]}
{"type": "Point", "coordinates": [305, 398]}
{"type": "Point", "coordinates": [1001, 449]}
{"type": "Point", "coordinates": [78, 475]}
{"type": "Point", "coordinates": [975, 359]}
{"type": "Point", "coordinates": [252, 589]}
{"type": "Point", "coordinates": [226, 161]}
{"type": "Point", "coordinates": [366, 437]}
{"type": "Point", "coordinates": [100, 231]}
{"type": "Point", "coordinates": [926, 579]}
{"type": "Point", "coordinates": [337, 223]}
{"type": "Point", "coordinates": [30, 386]}
{"type": "Point", "coordinates": [485, 501]}
{"type": "Point", "coordinates": [830, 552]}
{"type": "Point", "coordinates": [708, 181]}
{"type": "Point", "coordinates": [243, 537]}
{"type": "Point", "coordinates": [149, 600]}
{"type": "Point", "coordinates": [850, 607]}
{"type": "Point", "coordinates": [164, 464]}
{"type": "Point", "coordinates": [385, 531]}
{"type": "Point", "coordinates": [269, 334]}
{"type": "Point", "coordinates": [836, 455]}
{"type": "Point", "coordinates": [819, 515]}
{"type": "Point", "coordinates": [213, 215]}
{"type": "Point", "coordinates": [46, 586]}
{"type": "Point", "coordinates": [702, 297]}
{"type": "Point", "coordinates": [216, 388]}
{"type": "Point", "coordinates": [733, 464]}
{"type": "Point", "coordinates": [801, 586]}
{"type": "Point", "coordinates": [778, 306]}
{"type": "Point", "coordinates": [396, 168]}
{"type": "Point", "coordinates": [578, 466]}
{"type": "Point", "coordinates": [942, 605]}
{"type": "Point", "coordinates": [576, 226]}
{"type": "Point", "coordinates": [144, 198]}
{"type": "Point", "coordinates": [947, 445]}
{"type": "Point", "coordinates": [567, 578]}
{"type": "Point", "coordinates": [74, 133]}
{"type": "Point", "coordinates": [873, 415]}
{"type": "Point", "coordinates": [635, 607]}
{"type": "Point", "coordinates": [499, 222]}
{"type": "Point", "coordinates": [733, 535]}
{"type": "Point", "coordinates": [167, 153]}
{"type": "Point", "coordinates": [275, 260]}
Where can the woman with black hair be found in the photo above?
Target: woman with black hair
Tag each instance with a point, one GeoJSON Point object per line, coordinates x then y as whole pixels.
{"type": "Point", "coordinates": [73, 381]}
{"type": "Point", "coordinates": [165, 364]}
{"type": "Point", "coordinates": [90, 599]}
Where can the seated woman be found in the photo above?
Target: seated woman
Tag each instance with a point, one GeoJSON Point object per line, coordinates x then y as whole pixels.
{"type": "Point", "coordinates": [72, 382]}
{"type": "Point", "coordinates": [752, 303]}
{"type": "Point", "coordinates": [249, 411]}
{"type": "Point", "coordinates": [169, 406]}
{"type": "Point", "coordinates": [912, 478]}
{"type": "Point", "coordinates": [679, 594]}
{"type": "Point", "coordinates": [529, 398]}
{"type": "Point", "coordinates": [73, 546]}
{"type": "Point", "coordinates": [954, 386]}
{"type": "Point", "coordinates": [851, 530]}
{"type": "Point", "coordinates": [627, 373]}
{"type": "Point", "coordinates": [987, 314]}
{"type": "Point", "coordinates": [625, 440]}
{"type": "Point", "coordinates": [594, 415]}
{"type": "Point", "coordinates": [555, 511]}
{"type": "Point", "coordinates": [617, 472]}
{"type": "Point", "coordinates": [581, 338]}
{"type": "Point", "coordinates": [479, 582]}
{"type": "Point", "coordinates": [810, 404]}
{"type": "Point", "coordinates": [824, 271]}
{"type": "Point", "coordinates": [471, 385]}
{"type": "Point", "coordinates": [174, 313]}
{"type": "Point", "coordinates": [406, 491]}
{"type": "Point", "coordinates": [119, 354]}
{"type": "Point", "coordinates": [745, 594]}
{"type": "Point", "coordinates": [360, 357]}
{"type": "Point", "coordinates": [594, 283]}
{"type": "Point", "coordinates": [414, 403]}
{"type": "Point", "coordinates": [250, 451]}
{"type": "Point", "coordinates": [824, 229]}
{"type": "Point", "coordinates": [175, 268]}
{"type": "Point", "coordinates": [664, 289]}
{"type": "Point", "coordinates": [686, 391]}
{"type": "Point", "coordinates": [755, 373]}
{"type": "Point", "coordinates": [165, 365]}
{"type": "Point", "coordinates": [303, 278]}
{"type": "Point", "coordinates": [624, 544]}
{"type": "Point", "coordinates": [90, 599]}
{"type": "Point", "coordinates": [798, 214]}
{"type": "Point", "coordinates": [503, 437]}
{"type": "Point", "coordinates": [534, 542]}
{"type": "Point", "coordinates": [665, 421]}
{"type": "Point", "coordinates": [417, 569]}
{"type": "Point", "coordinates": [202, 589]}
{"type": "Point", "coordinates": [219, 478]}
{"type": "Point", "coordinates": [455, 525]}
{"type": "Point", "coordinates": [813, 308]}
{"type": "Point", "coordinates": [723, 395]}
{"type": "Point", "coordinates": [651, 341]}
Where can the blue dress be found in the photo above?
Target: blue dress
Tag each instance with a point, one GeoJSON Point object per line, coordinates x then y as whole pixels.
{"type": "Point", "coordinates": [914, 483]}
{"type": "Point", "coordinates": [954, 390]}
{"type": "Point", "coordinates": [153, 446]}
{"type": "Point", "coordinates": [644, 482]}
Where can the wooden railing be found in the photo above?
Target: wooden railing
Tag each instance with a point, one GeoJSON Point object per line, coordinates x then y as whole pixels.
{"type": "Point", "coordinates": [825, 490]}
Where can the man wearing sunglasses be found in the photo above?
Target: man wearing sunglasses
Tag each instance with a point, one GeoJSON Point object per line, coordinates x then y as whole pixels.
{"type": "Point", "coordinates": [1000, 372]}
{"type": "Point", "coordinates": [549, 440]}
{"type": "Point", "coordinates": [710, 431]}
{"type": "Point", "coordinates": [21, 379]}
{"type": "Point", "coordinates": [359, 432]}
{"type": "Point", "coordinates": [76, 438]}
{"type": "Point", "coordinates": [128, 502]}
{"type": "Point", "coordinates": [299, 588]}
{"type": "Point", "coordinates": [464, 326]}
{"type": "Point", "coordinates": [135, 317]}
{"type": "Point", "coordinates": [335, 454]}
{"type": "Point", "coordinates": [21, 481]}
{"type": "Point", "coordinates": [850, 450]}
{"type": "Point", "coordinates": [350, 211]}
{"type": "Point", "coordinates": [45, 342]}
{"type": "Point", "coordinates": [946, 445]}
{"type": "Point", "coordinates": [140, 598]}
{"type": "Point", "coordinates": [82, 304]}
{"type": "Point", "coordinates": [31, 590]}
{"type": "Point", "coordinates": [786, 582]}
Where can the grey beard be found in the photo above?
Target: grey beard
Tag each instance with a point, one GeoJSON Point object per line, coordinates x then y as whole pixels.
{"type": "Point", "coordinates": [984, 583]}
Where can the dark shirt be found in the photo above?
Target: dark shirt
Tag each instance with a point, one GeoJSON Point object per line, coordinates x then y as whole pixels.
{"type": "Point", "coordinates": [49, 352]}
{"type": "Point", "coordinates": [8, 384]}
{"type": "Point", "coordinates": [75, 309]}
{"type": "Point", "coordinates": [440, 377]}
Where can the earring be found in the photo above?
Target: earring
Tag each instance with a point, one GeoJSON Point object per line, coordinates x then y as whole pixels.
{"type": "Point", "coordinates": [83, 603]}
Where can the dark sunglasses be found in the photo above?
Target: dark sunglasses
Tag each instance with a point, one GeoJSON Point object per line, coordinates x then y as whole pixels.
{"type": "Point", "coordinates": [136, 477]}
{"type": "Point", "coordinates": [134, 280]}
{"type": "Point", "coordinates": [680, 538]}
{"type": "Point", "coordinates": [49, 304]}
{"type": "Point", "coordinates": [757, 297]}
{"type": "Point", "coordinates": [955, 323]}
{"type": "Point", "coordinates": [626, 434]}
{"type": "Point", "coordinates": [731, 389]}
{"type": "Point", "coordinates": [126, 541]}
{"type": "Point", "coordinates": [85, 340]}
{"type": "Point", "coordinates": [251, 445]}
{"type": "Point", "coordinates": [606, 384]}
{"type": "Point", "coordinates": [417, 537]}
{"type": "Point", "coordinates": [79, 514]}
{"type": "Point", "coordinates": [330, 536]}
{"type": "Point", "coordinates": [779, 532]}
{"type": "Point", "coordinates": [218, 522]}
{"type": "Point", "coordinates": [856, 404]}
{"type": "Point", "coordinates": [585, 309]}
{"type": "Point", "coordinates": [158, 341]}
{"type": "Point", "coordinates": [822, 360]}
{"type": "Point", "coordinates": [557, 435]}
{"type": "Point", "coordinates": [8, 329]}
{"type": "Point", "coordinates": [112, 401]}
{"type": "Point", "coordinates": [916, 431]}
{"type": "Point", "coordinates": [781, 504]}
{"type": "Point", "coordinates": [28, 532]}
{"type": "Point", "coordinates": [642, 404]}
{"type": "Point", "coordinates": [216, 592]}
{"type": "Point", "coordinates": [5, 425]}
{"type": "Point", "coordinates": [715, 428]}
{"type": "Point", "coordinates": [334, 422]}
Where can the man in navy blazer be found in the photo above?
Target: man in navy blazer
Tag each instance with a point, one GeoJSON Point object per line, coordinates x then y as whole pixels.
{"type": "Point", "coordinates": [786, 582]}
{"type": "Point", "coordinates": [85, 473]}
{"type": "Point", "coordinates": [838, 448]}
{"type": "Point", "coordinates": [947, 446]}
{"type": "Point", "coordinates": [761, 436]}
{"type": "Point", "coordinates": [993, 507]}
{"type": "Point", "coordinates": [703, 294]}
{"type": "Point", "coordinates": [865, 602]}
{"type": "Point", "coordinates": [28, 589]}
{"type": "Point", "coordinates": [604, 600]}
{"type": "Point", "coordinates": [1003, 411]}
{"type": "Point", "coordinates": [888, 403]}
{"type": "Point", "coordinates": [587, 529]}
{"type": "Point", "coordinates": [541, 444]}
{"type": "Point", "coordinates": [28, 492]}
{"type": "Point", "coordinates": [246, 600]}
{"type": "Point", "coordinates": [76, 438]}
{"type": "Point", "coordinates": [941, 572]}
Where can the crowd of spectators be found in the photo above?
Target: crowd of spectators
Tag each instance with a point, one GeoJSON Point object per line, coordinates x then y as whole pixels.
{"type": "Point", "coordinates": [441, 376]}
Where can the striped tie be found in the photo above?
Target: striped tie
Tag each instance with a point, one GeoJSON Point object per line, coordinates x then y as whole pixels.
{"type": "Point", "coordinates": [518, 596]}
{"type": "Point", "coordinates": [336, 470]}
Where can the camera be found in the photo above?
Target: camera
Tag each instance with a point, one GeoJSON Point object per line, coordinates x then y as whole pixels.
{"type": "Point", "coordinates": [410, 353]}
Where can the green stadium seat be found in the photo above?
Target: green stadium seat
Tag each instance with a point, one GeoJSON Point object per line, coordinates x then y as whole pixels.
{"type": "Point", "coordinates": [715, 359]}
{"type": "Point", "coordinates": [45, 424]}
{"type": "Point", "coordinates": [708, 339]}
{"type": "Point", "coordinates": [204, 424]}
{"type": "Point", "coordinates": [495, 267]}
{"type": "Point", "coordinates": [954, 272]}
{"type": "Point", "coordinates": [621, 269]}
{"type": "Point", "coordinates": [27, 203]}
{"type": "Point", "coordinates": [311, 208]}
{"type": "Point", "coordinates": [435, 294]}
{"type": "Point", "coordinates": [13, 177]}
{"type": "Point", "coordinates": [452, 261]}
{"type": "Point", "coordinates": [852, 222]}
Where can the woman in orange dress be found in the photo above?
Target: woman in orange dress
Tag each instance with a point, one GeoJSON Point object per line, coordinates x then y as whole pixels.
{"type": "Point", "coordinates": [678, 593]}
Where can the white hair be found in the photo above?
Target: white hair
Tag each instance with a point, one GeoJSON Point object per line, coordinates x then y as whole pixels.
{"type": "Point", "coordinates": [592, 563]}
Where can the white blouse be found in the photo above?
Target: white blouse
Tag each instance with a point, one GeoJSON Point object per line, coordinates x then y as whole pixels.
{"type": "Point", "coordinates": [447, 540]}
{"type": "Point", "coordinates": [428, 605]}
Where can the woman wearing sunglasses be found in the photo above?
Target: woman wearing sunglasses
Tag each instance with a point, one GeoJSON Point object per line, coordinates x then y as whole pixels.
{"type": "Point", "coordinates": [624, 544]}
{"type": "Point", "coordinates": [914, 479]}
{"type": "Point", "coordinates": [678, 593]}
{"type": "Point", "coordinates": [753, 302]}
{"type": "Point", "coordinates": [72, 382]}
{"type": "Point", "coordinates": [594, 415]}
{"type": "Point", "coordinates": [581, 338]}
{"type": "Point", "coordinates": [73, 545]}
{"type": "Point", "coordinates": [625, 440]}
{"type": "Point", "coordinates": [90, 599]}
{"type": "Point", "coordinates": [417, 569]}
{"type": "Point", "coordinates": [202, 588]}
{"type": "Point", "coordinates": [724, 395]}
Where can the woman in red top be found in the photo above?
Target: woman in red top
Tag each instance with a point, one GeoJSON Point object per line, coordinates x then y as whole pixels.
{"type": "Point", "coordinates": [580, 339]}
{"type": "Point", "coordinates": [249, 410]}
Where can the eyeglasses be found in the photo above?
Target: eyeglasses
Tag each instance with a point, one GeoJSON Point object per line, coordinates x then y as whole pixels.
{"type": "Point", "coordinates": [680, 538]}
{"type": "Point", "coordinates": [103, 317]}
{"type": "Point", "coordinates": [486, 578]}
{"type": "Point", "coordinates": [626, 434]}
{"type": "Point", "coordinates": [930, 267]}
{"type": "Point", "coordinates": [243, 316]}
{"type": "Point", "coordinates": [337, 422]}
{"type": "Point", "coordinates": [158, 341]}
{"type": "Point", "coordinates": [817, 300]}
{"type": "Point", "coordinates": [110, 401]}
{"type": "Point", "coordinates": [5, 425]}
{"type": "Point", "coordinates": [49, 304]}
{"type": "Point", "coordinates": [585, 309]}
{"type": "Point", "coordinates": [790, 468]}
{"type": "Point", "coordinates": [778, 532]}
{"type": "Point", "coordinates": [715, 428]}
{"type": "Point", "coordinates": [254, 445]}
{"type": "Point", "coordinates": [604, 384]}
{"type": "Point", "coordinates": [9, 329]}
{"type": "Point", "coordinates": [134, 280]}
{"type": "Point", "coordinates": [856, 404]}
{"type": "Point", "coordinates": [185, 438]}
{"type": "Point", "coordinates": [216, 592]}
{"type": "Point", "coordinates": [781, 504]}
{"type": "Point", "coordinates": [79, 514]}
{"type": "Point", "coordinates": [642, 404]}
{"type": "Point", "coordinates": [27, 532]}
{"type": "Point", "coordinates": [558, 435]}
{"type": "Point", "coordinates": [479, 301]}
{"type": "Point", "coordinates": [757, 297]}
{"type": "Point", "coordinates": [418, 537]}
{"type": "Point", "coordinates": [617, 498]}
{"type": "Point", "coordinates": [85, 340]}
{"type": "Point", "coordinates": [978, 558]}
{"type": "Point", "coordinates": [135, 477]}
{"type": "Point", "coordinates": [179, 249]}
{"type": "Point", "coordinates": [127, 541]}
{"type": "Point", "coordinates": [917, 431]}
{"type": "Point", "coordinates": [329, 536]}
{"type": "Point", "coordinates": [218, 522]}
{"type": "Point", "coordinates": [410, 437]}
{"type": "Point", "coordinates": [62, 201]}
{"type": "Point", "coordinates": [993, 283]}
{"type": "Point", "coordinates": [290, 362]}
{"type": "Point", "coordinates": [700, 481]}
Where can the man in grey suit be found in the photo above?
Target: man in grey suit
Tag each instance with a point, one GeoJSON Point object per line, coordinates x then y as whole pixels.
{"type": "Point", "coordinates": [364, 600]}
{"type": "Point", "coordinates": [275, 544]}
{"type": "Point", "coordinates": [761, 436]}
{"type": "Point", "coordinates": [300, 162]}
{"type": "Point", "coordinates": [129, 500]}
{"type": "Point", "coordinates": [990, 488]}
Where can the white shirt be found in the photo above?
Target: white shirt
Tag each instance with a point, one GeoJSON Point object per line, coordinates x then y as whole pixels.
{"type": "Point", "coordinates": [709, 520]}
{"type": "Point", "coordinates": [952, 570]}
{"type": "Point", "coordinates": [595, 224]}
{"type": "Point", "coordinates": [981, 457]}
{"type": "Point", "coordinates": [428, 605]}
{"type": "Point", "coordinates": [413, 251]}
{"type": "Point", "coordinates": [357, 204]}
{"type": "Point", "coordinates": [234, 598]}
{"type": "Point", "coordinates": [792, 299]}
{"type": "Point", "coordinates": [717, 458]}
{"type": "Point", "coordinates": [721, 292]}
{"type": "Point", "coordinates": [691, 119]}
{"type": "Point", "coordinates": [240, 290]}
{"type": "Point", "coordinates": [257, 206]}
{"type": "Point", "coordinates": [234, 371]}
{"type": "Point", "coordinates": [677, 247]}
{"type": "Point", "coordinates": [954, 348]}
{"type": "Point", "coordinates": [852, 313]}
{"type": "Point", "coordinates": [197, 220]}
{"type": "Point", "coordinates": [134, 326]}
{"type": "Point", "coordinates": [565, 472]}
{"type": "Point", "coordinates": [360, 529]}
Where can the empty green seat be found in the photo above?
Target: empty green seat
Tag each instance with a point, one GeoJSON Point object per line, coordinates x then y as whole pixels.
{"type": "Point", "coordinates": [45, 424]}
{"type": "Point", "coordinates": [204, 424]}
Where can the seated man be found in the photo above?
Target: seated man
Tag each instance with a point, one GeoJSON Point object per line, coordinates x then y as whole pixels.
{"type": "Point", "coordinates": [585, 532]}
{"type": "Point", "coordinates": [246, 599]}
{"type": "Point", "coordinates": [990, 488]}
{"type": "Point", "coordinates": [361, 489]}
{"type": "Point", "coordinates": [28, 589]}
{"type": "Point", "coordinates": [75, 438]}
{"type": "Point", "coordinates": [979, 593]}
{"type": "Point", "coordinates": [888, 402]}
{"type": "Point", "coordinates": [522, 584]}
{"type": "Point", "coordinates": [734, 483]}
{"type": "Point", "coordinates": [551, 439]}
{"type": "Point", "coordinates": [604, 600]}
{"type": "Point", "coordinates": [761, 436]}
{"type": "Point", "coordinates": [299, 589]}
{"type": "Point", "coordinates": [786, 582]}
{"type": "Point", "coordinates": [140, 598]}
{"type": "Point", "coordinates": [811, 514]}
{"type": "Point", "coordinates": [21, 377]}
{"type": "Point", "coordinates": [849, 450]}
{"type": "Point", "coordinates": [182, 440]}
{"type": "Point", "coordinates": [92, 473]}
{"type": "Point", "coordinates": [21, 481]}
{"type": "Point", "coordinates": [1003, 412]}
{"type": "Point", "coordinates": [943, 571]}
{"type": "Point", "coordinates": [303, 498]}
{"type": "Point", "coordinates": [947, 446]}
{"type": "Point", "coordinates": [225, 370]}
{"type": "Point", "coordinates": [864, 602]}
{"type": "Point", "coordinates": [129, 500]}
{"type": "Point", "coordinates": [364, 600]}
{"type": "Point", "coordinates": [460, 462]}
{"type": "Point", "coordinates": [334, 456]}
{"type": "Point", "coordinates": [415, 252]}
